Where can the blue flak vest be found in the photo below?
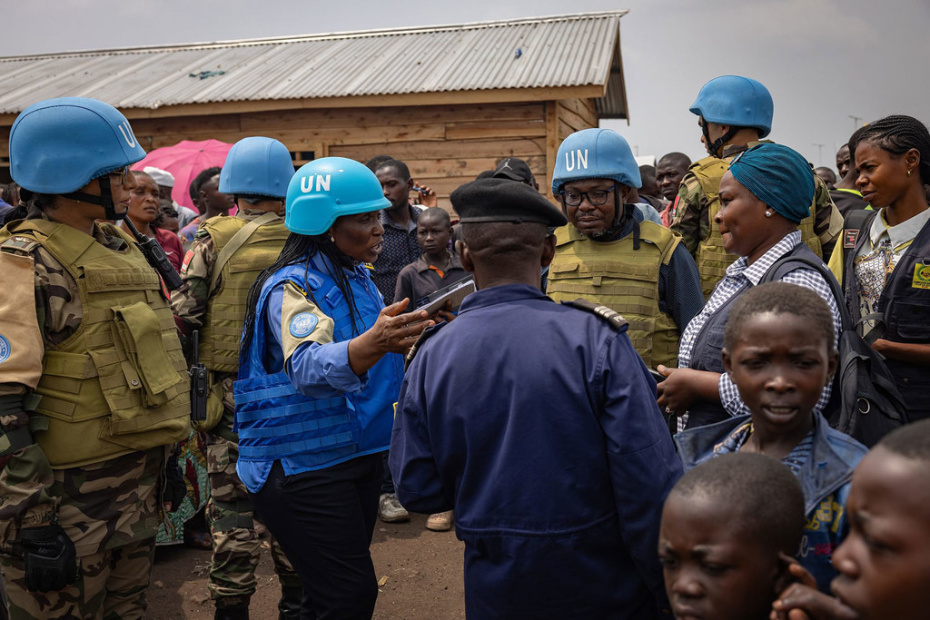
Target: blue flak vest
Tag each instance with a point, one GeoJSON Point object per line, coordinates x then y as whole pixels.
{"type": "Point", "coordinates": [274, 420]}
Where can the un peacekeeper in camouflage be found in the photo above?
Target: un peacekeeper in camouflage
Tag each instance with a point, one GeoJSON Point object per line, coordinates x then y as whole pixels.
{"type": "Point", "coordinates": [227, 254]}
{"type": "Point", "coordinates": [84, 419]}
{"type": "Point", "coordinates": [735, 113]}
{"type": "Point", "coordinates": [692, 218]}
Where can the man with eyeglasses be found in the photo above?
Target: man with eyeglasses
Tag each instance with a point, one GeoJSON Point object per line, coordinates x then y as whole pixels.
{"type": "Point", "coordinates": [610, 256]}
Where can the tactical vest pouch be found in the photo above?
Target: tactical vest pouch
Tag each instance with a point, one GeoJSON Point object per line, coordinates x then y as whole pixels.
{"type": "Point", "coordinates": [909, 321]}
{"type": "Point", "coordinates": [140, 334]}
{"type": "Point", "coordinates": [63, 376]}
{"type": "Point", "coordinates": [638, 283]}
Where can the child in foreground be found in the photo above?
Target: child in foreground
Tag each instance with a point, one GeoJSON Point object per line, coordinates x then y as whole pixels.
{"type": "Point", "coordinates": [884, 563]}
{"type": "Point", "coordinates": [729, 529]}
{"type": "Point", "coordinates": [779, 351]}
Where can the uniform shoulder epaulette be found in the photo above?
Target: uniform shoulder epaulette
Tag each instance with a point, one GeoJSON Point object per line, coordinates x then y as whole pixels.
{"type": "Point", "coordinates": [19, 245]}
{"type": "Point", "coordinates": [426, 335]}
{"type": "Point", "coordinates": [613, 317]}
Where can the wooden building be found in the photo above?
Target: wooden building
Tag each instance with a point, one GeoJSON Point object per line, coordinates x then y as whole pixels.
{"type": "Point", "coordinates": [450, 101]}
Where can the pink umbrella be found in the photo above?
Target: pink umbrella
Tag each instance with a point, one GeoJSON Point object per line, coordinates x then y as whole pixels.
{"type": "Point", "coordinates": [185, 160]}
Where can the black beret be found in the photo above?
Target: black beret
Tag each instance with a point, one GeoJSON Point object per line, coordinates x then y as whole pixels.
{"type": "Point", "coordinates": [502, 200]}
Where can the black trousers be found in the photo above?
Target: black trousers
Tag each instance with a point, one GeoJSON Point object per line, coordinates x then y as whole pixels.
{"type": "Point", "coordinates": [324, 521]}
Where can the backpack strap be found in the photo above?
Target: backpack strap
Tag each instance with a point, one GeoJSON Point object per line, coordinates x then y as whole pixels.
{"type": "Point", "coordinates": [820, 268]}
{"type": "Point", "coordinates": [853, 225]}
{"type": "Point", "coordinates": [856, 223]}
{"type": "Point", "coordinates": [237, 241]}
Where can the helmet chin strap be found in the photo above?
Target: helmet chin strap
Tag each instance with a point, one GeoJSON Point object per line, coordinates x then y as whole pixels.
{"type": "Point", "coordinates": [105, 199]}
{"type": "Point", "coordinates": [623, 213]}
{"type": "Point", "coordinates": [714, 147]}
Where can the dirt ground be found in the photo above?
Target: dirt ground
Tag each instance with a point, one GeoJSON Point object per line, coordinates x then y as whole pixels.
{"type": "Point", "coordinates": [419, 576]}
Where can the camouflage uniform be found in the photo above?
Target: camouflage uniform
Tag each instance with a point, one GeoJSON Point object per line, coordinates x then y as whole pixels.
{"type": "Point", "coordinates": [109, 509]}
{"type": "Point", "coordinates": [692, 216]}
{"type": "Point", "coordinates": [236, 545]}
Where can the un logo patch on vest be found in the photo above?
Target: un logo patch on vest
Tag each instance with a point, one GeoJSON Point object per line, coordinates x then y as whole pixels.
{"type": "Point", "coordinates": [4, 349]}
{"type": "Point", "coordinates": [303, 324]}
{"type": "Point", "coordinates": [921, 279]}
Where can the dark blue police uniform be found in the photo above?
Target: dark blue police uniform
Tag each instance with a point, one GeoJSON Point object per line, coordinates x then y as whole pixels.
{"type": "Point", "coordinates": [537, 422]}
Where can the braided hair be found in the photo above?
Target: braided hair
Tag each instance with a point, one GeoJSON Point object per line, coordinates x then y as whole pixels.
{"type": "Point", "coordinates": [300, 249]}
{"type": "Point", "coordinates": [898, 134]}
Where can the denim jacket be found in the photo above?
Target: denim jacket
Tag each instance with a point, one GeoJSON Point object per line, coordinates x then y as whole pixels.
{"type": "Point", "coordinates": [825, 478]}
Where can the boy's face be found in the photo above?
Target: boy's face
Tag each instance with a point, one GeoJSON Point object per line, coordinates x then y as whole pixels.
{"type": "Point", "coordinates": [713, 569]}
{"type": "Point", "coordinates": [433, 235]}
{"type": "Point", "coordinates": [884, 563]}
{"type": "Point", "coordinates": [780, 363]}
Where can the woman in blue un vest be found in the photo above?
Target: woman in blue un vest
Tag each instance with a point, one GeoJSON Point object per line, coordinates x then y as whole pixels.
{"type": "Point", "coordinates": [318, 379]}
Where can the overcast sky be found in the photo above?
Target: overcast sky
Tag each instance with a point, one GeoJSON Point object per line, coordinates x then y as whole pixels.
{"type": "Point", "coordinates": [824, 61]}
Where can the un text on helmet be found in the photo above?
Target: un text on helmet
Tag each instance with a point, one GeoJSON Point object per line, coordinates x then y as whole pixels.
{"type": "Point", "coordinates": [127, 134]}
{"type": "Point", "coordinates": [582, 160]}
{"type": "Point", "coordinates": [322, 183]}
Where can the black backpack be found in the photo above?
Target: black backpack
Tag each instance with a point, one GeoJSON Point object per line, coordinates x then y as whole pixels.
{"type": "Point", "coordinates": [865, 403]}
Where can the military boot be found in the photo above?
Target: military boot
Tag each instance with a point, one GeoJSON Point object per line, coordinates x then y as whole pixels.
{"type": "Point", "coordinates": [232, 612]}
{"type": "Point", "coordinates": [289, 605]}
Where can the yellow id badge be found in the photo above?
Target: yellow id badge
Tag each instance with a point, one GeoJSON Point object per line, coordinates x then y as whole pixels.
{"type": "Point", "coordinates": [921, 276]}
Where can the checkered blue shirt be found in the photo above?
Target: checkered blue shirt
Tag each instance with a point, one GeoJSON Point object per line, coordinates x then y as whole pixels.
{"type": "Point", "coordinates": [740, 277]}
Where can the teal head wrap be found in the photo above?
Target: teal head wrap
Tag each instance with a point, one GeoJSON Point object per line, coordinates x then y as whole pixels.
{"type": "Point", "coordinates": [778, 176]}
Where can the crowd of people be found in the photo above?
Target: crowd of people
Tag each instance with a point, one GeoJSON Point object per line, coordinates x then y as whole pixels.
{"type": "Point", "coordinates": [633, 416]}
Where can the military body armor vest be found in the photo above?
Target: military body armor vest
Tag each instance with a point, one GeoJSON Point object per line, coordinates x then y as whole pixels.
{"type": "Point", "coordinates": [219, 340]}
{"type": "Point", "coordinates": [712, 259]}
{"type": "Point", "coordinates": [625, 280]}
{"type": "Point", "coordinates": [119, 383]}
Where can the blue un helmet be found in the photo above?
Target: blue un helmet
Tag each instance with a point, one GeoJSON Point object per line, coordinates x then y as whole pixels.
{"type": "Point", "coordinates": [58, 146]}
{"type": "Point", "coordinates": [595, 154]}
{"type": "Point", "coordinates": [257, 166]}
{"type": "Point", "coordinates": [328, 188]}
{"type": "Point", "coordinates": [735, 101]}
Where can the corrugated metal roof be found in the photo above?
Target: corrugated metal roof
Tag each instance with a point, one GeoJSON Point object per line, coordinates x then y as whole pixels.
{"type": "Point", "coordinates": [560, 51]}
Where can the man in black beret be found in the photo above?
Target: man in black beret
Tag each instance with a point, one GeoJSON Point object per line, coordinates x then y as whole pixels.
{"type": "Point", "coordinates": [551, 450]}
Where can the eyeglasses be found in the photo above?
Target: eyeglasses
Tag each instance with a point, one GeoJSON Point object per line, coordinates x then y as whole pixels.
{"type": "Point", "coordinates": [596, 197]}
{"type": "Point", "coordinates": [123, 174]}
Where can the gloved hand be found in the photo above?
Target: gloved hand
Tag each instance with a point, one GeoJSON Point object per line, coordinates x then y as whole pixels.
{"type": "Point", "coordinates": [51, 562]}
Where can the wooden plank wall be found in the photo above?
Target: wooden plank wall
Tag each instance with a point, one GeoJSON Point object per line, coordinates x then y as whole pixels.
{"type": "Point", "coordinates": [444, 146]}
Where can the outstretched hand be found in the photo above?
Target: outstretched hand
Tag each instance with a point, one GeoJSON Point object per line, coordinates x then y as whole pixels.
{"type": "Point", "coordinates": [392, 332]}
{"type": "Point", "coordinates": [397, 332]}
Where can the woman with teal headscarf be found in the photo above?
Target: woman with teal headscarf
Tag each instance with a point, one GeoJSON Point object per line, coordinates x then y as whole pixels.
{"type": "Point", "coordinates": [764, 195]}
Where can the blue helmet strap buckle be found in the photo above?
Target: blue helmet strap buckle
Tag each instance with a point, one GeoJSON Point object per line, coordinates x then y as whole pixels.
{"type": "Point", "coordinates": [105, 199]}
